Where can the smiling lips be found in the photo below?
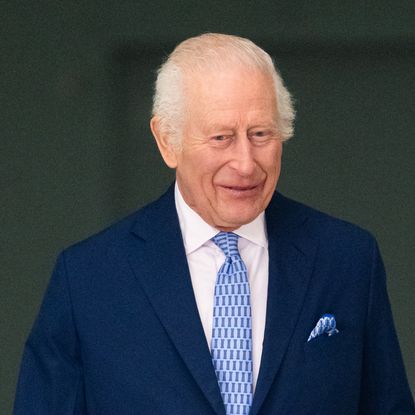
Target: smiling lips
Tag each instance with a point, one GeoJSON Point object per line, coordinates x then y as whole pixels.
{"type": "Point", "coordinates": [241, 190]}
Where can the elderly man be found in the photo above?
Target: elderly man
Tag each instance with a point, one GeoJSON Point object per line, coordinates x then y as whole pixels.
{"type": "Point", "coordinates": [222, 297]}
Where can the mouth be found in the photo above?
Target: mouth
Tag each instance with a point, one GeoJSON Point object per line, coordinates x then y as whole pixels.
{"type": "Point", "coordinates": [240, 188]}
{"type": "Point", "coordinates": [241, 191]}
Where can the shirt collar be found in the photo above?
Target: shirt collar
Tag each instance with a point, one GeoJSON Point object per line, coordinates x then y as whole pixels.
{"type": "Point", "coordinates": [196, 232]}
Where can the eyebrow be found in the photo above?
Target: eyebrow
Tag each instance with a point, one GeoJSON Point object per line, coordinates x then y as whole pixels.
{"type": "Point", "coordinates": [272, 125]}
{"type": "Point", "coordinates": [223, 127]}
{"type": "Point", "coordinates": [220, 127]}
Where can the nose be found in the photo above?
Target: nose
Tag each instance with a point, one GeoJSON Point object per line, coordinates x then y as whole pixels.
{"type": "Point", "coordinates": [243, 161]}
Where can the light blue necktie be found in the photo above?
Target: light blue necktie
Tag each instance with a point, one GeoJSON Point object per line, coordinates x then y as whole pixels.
{"type": "Point", "coordinates": [231, 346]}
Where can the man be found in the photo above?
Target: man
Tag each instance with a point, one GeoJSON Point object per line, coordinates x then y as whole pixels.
{"type": "Point", "coordinates": [222, 297]}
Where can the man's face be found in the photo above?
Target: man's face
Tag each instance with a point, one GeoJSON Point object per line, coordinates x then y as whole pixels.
{"type": "Point", "coordinates": [230, 159]}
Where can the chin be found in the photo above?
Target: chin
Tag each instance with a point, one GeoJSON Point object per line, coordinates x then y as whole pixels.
{"type": "Point", "coordinates": [237, 219]}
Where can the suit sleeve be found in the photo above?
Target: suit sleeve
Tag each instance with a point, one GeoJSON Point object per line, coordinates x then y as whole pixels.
{"type": "Point", "coordinates": [385, 389]}
{"type": "Point", "coordinates": [50, 380]}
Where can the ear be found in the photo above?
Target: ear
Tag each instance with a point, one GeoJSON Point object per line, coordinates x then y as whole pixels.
{"type": "Point", "coordinates": [166, 149]}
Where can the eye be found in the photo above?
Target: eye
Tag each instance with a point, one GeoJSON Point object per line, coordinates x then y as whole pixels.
{"type": "Point", "coordinates": [259, 135]}
{"type": "Point", "coordinates": [221, 140]}
{"type": "Point", "coordinates": [262, 135]}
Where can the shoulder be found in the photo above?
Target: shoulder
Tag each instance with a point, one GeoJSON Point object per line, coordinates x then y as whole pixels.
{"type": "Point", "coordinates": [337, 248]}
{"type": "Point", "coordinates": [121, 235]}
{"type": "Point", "coordinates": [287, 215]}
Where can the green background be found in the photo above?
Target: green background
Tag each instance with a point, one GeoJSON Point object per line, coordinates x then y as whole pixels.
{"type": "Point", "coordinates": [76, 152]}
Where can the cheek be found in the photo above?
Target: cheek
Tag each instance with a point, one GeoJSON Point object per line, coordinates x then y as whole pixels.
{"type": "Point", "coordinates": [276, 159]}
{"type": "Point", "coordinates": [273, 168]}
{"type": "Point", "coordinates": [199, 171]}
{"type": "Point", "coordinates": [276, 167]}
{"type": "Point", "coordinates": [272, 162]}
{"type": "Point", "coordinates": [206, 167]}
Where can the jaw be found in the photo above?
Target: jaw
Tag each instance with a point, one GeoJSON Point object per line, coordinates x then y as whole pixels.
{"type": "Point", "coordinates": [228, 206]}
{"type": "Point", "coordinates": [236, 208]}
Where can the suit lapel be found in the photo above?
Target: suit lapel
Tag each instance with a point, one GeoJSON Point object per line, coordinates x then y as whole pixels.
{"type": "Point", "coordinates": [162, 271]}
{"type": "Point", "coordinates": [291, 259]}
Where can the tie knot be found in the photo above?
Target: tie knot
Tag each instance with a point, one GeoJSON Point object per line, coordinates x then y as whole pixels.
{"type": "Point", "coordinates": [227, 242]}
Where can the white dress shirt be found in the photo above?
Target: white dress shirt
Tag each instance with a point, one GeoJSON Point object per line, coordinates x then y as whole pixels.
{"type": "Point", "coordinates": [205, 258]}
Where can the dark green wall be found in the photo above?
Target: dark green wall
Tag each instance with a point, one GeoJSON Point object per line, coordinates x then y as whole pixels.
{"type": "Point", "coordinates": [76, 153]}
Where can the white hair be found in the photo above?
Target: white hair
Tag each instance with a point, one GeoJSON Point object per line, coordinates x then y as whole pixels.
{"type": "Point", "coordinates": [213, 51]}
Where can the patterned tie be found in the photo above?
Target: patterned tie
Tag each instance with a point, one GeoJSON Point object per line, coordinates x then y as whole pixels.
{"type": "Point", "coordinates": [231, 346]}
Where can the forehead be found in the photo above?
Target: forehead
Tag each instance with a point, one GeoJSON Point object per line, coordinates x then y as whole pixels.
{"type": "Point", "coordinates": [235, 88]}
{"type": "Point", "coordinates": [228, 82]}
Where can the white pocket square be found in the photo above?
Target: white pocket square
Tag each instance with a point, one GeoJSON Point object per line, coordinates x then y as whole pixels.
{"type": "Point", "coordinates": [326, 325]}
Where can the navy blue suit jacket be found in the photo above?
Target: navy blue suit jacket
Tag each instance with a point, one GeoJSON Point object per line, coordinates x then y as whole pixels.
{"type": "Point", "coordinates": [119, 332]}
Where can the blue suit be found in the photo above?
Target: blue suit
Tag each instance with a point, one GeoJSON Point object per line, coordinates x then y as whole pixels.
{"type": "Point", "coordinates": [119, 331]}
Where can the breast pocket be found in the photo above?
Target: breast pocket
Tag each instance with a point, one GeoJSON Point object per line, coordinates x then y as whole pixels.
{"type": "Point", "coordinates": [335, 360]}
{"type": "Point", "coordinates": [325, 348]}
